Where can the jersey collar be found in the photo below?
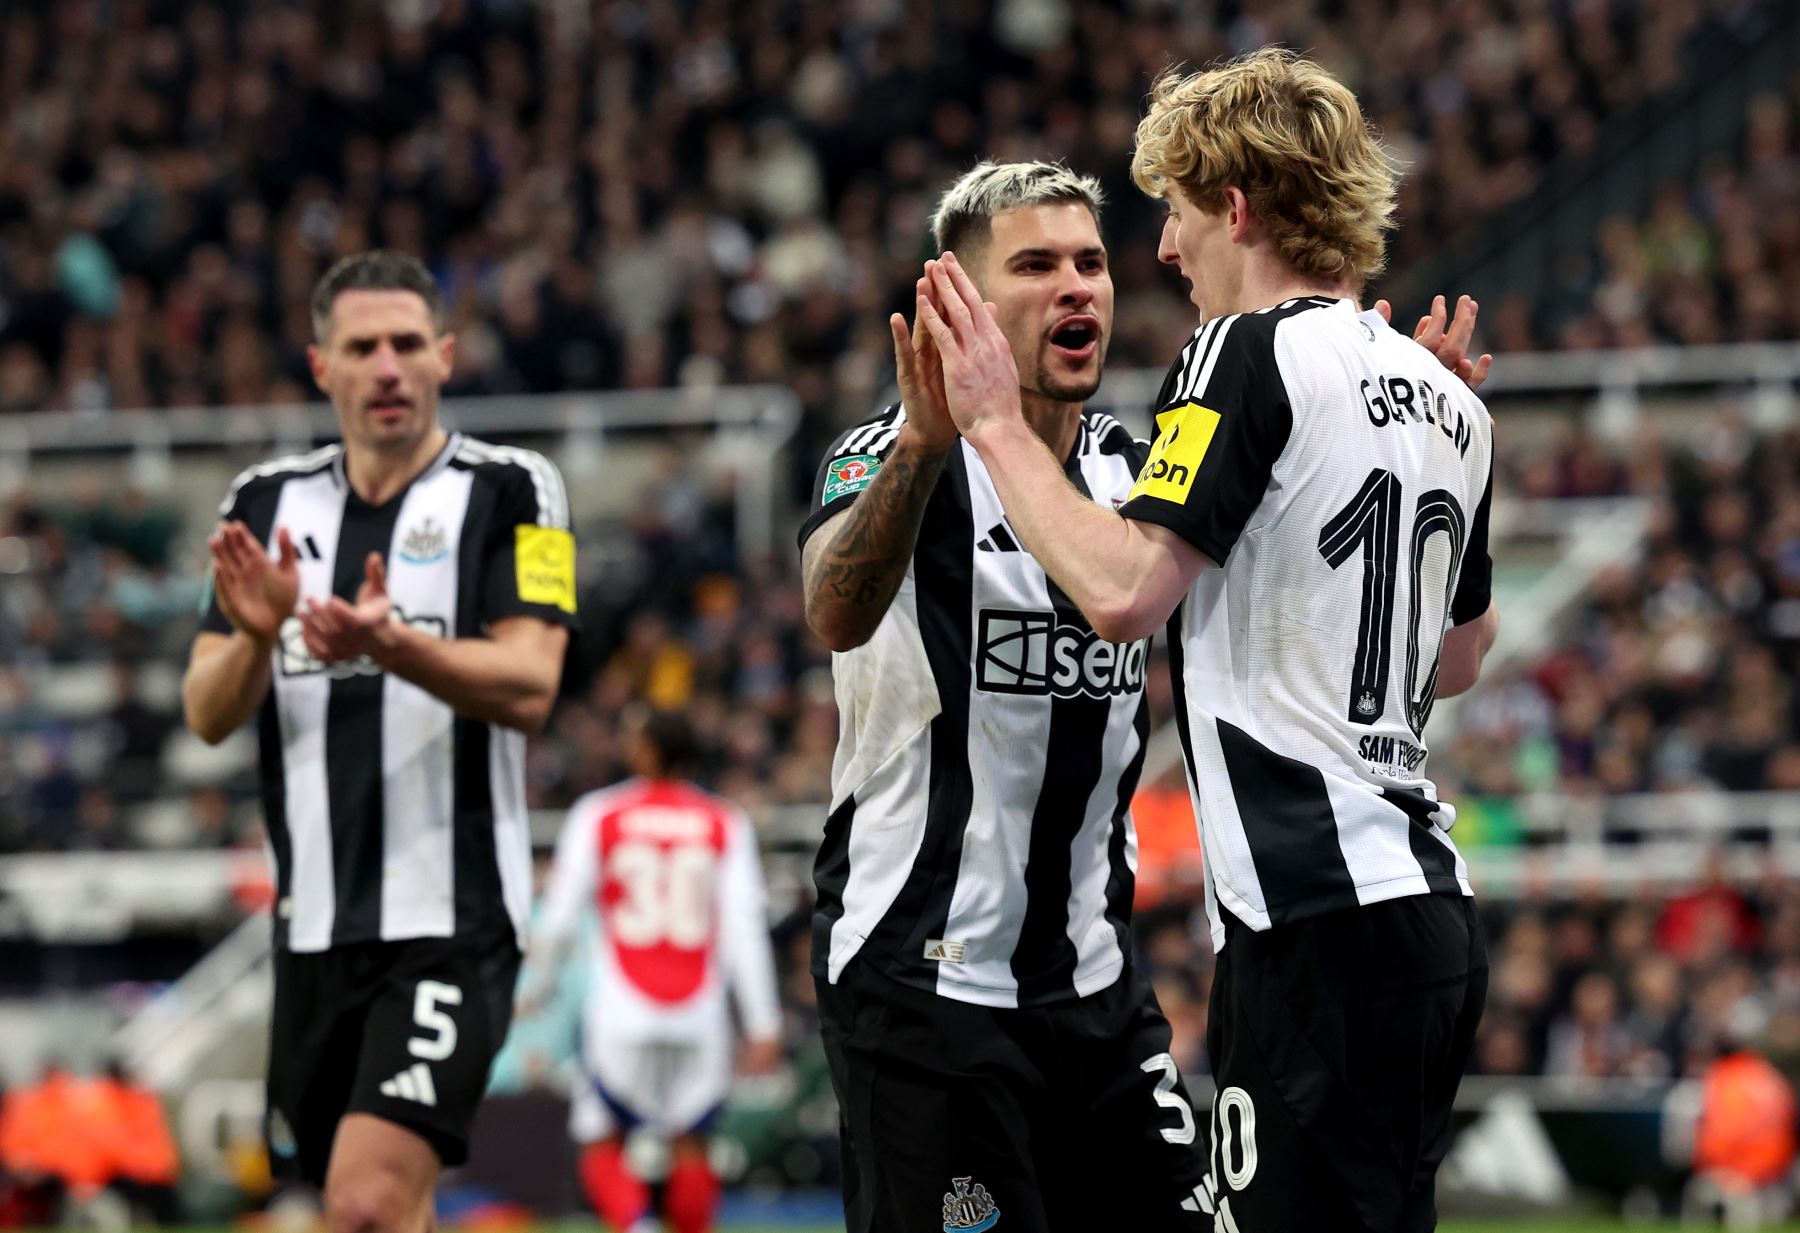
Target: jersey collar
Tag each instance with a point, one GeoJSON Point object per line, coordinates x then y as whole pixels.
{"type": "Point", "coordinates": [341, 476]}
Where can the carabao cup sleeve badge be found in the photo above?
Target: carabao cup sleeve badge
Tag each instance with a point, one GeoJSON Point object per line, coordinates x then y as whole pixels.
{"type": "Point", "coordinates": [849, 475]}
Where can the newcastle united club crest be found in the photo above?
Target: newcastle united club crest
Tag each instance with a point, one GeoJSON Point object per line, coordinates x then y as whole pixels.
{"type": "Point", "coordinates": [969, 1209]}
{"type": "Point", "coordinates": [425, 543]}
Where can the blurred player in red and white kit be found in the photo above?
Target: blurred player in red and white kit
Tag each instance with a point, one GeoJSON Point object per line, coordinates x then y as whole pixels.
{"type": "Point", "coordinates": [674, 880]}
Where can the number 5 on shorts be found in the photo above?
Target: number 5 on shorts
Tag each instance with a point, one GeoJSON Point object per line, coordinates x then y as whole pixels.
{"type": "Point", "coordinates": [426, 999]}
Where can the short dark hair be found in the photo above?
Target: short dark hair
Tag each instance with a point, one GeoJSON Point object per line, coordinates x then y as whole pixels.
{"type": "Point", "coordinates": [965, 214]}
{"type": "Point", "coordinates": [672, 738]}
{"type": "Point", "coordinates": [379, 269]}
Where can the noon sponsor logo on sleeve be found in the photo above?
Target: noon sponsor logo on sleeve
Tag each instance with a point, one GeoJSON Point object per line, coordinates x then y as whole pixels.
{"type": "Point", "coordinates": [545, 564]}
{"type": "Point", "coordinates": [1183, 435]}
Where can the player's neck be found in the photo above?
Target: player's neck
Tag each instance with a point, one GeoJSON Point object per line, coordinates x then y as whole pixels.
{"type": "Point", "coordinates": [1269, 281]}
{"type": "Point", "coordinates": [377, 475]}
{"type": "Point", "coordinates": [1057, 423]}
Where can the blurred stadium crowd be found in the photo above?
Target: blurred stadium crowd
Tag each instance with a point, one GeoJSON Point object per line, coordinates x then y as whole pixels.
{"type": "Point", "coordinates": [645, 194]}
{"type": "Point", "coordinates": [1679, 672]}
{"type": "Point", "coordinates": [1649, 987]}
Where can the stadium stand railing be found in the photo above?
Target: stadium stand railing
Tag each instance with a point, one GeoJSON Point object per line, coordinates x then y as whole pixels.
{"type": "Point", "coordinates": [203, 1022]}
{"type": "Point", "coordinates": [749, 426]}
{"type": "Point", "coordinates": [1524, 247]}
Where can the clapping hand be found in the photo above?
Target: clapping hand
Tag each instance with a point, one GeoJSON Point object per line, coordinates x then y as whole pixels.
{"type": "Point", "coordinates": [981, 378]}
{"type": "Point", "coordinates": [919, 371]}
{"type": "Point", "coordinates": [255, 593]}
{"type": "Point", "coordinates": [1450, 345]}
{"type": "Point", "coordinates": [335, 631]}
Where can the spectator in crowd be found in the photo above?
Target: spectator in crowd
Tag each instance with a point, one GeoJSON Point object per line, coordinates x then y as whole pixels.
{"type": "Point", "coordinates": [615, 196]}
{"type": "Point", "coordinates": [1679, 671]}
{"type": "Point", "coordinates": [1591, 1041]}
{"type": "Point", "coordinates": [69, 1137]}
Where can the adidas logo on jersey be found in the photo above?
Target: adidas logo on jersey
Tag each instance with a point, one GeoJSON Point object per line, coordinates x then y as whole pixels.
{"type": "Point", "coordinates": [999, 539]}
{"type": "Point", "coordinates": [414, 1084]}
{"type": "Point", "coordinates": [939, 951]}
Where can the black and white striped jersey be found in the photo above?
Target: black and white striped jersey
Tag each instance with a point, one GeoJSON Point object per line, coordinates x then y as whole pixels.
{"type": "Point", "coordinates": [979, 842]}
{"type": "Point", "coordinates": [389, 816]}
{"type": "Point", "coordinates": [1340, 478]}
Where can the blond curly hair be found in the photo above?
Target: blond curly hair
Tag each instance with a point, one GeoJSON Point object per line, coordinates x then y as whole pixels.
{"type": "Point", "coordinates": [1292, 138]}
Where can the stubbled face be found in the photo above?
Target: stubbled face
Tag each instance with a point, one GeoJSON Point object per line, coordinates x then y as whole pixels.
{"type": "Point", "coordinates": [382, 362]}
{"type": "Point", "coordinates": [1198, 243]}
{"type": "Point", "coordinates": [1044, 269]}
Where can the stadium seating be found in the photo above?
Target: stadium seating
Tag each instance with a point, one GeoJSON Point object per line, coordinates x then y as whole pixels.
{"type": "Point", "coordinates": [743, 199]}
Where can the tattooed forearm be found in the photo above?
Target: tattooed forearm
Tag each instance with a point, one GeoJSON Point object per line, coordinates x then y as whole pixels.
{"type": "Point", "coordinates": [853, 566]}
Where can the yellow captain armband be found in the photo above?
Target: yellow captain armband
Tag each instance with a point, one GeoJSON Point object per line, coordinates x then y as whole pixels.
{"type": "Point", "coordinates": [544, 558]}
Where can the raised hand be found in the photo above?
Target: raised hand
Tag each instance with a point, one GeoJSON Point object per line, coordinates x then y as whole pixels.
{"type": "Point", "coordinates": [335, 631]}
{"type": "Point", "coordinates": [1451, 346]}
{"type": "Point", "coordinates": [981, 378]}
{"type": "Point", "coordinates": [372, 594]}
{"type": "Point", "coordinates": [920, 374]}
{"type": "Point", "coordinates": [256, 594]}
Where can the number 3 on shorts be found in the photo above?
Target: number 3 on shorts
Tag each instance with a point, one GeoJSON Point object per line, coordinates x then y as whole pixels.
{"type": "Point", "coordinates": [430, 995]}
{"type": "Point", "coordinates": [1169, 1098]}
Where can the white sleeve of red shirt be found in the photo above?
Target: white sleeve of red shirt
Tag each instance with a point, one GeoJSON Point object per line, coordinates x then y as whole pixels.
{"type": "Point", "coordinates": [748, 958]}
{"type": "Point", "coordinates": [573, 876]}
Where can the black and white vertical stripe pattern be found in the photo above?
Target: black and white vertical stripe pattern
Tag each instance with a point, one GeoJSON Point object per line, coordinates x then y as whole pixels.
{"type": "Point", "coordinates": [979, 843]}
{"type": "Point", "coordinates": [1308, 780]}
{"type": "Point", "coordinates": [389, 816]}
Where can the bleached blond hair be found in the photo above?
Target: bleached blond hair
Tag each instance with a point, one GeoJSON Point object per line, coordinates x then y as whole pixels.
{"type": "Point", "coordinates": [966, 212]}
{"type": "Point", "coordinates": [1292, 138]}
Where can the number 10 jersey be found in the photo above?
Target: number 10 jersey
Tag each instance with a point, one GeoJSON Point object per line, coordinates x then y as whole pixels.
{"type": "Point", "coordinates": [1340, 479]}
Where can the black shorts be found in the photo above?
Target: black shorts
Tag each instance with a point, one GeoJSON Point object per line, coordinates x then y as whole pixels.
{"type": "Point", "coordinates": [403, 1030]}
{"type": "Point", "coordinates": [954, 1116]}
{"type": "Point", "coordinates": [1337, 1043]}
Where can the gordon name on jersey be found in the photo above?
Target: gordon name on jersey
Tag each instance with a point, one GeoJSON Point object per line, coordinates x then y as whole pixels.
{"type": "Point", "coordinates": [1391, 400]}
{"type": "Point", "coordinates": [1340, 480]}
